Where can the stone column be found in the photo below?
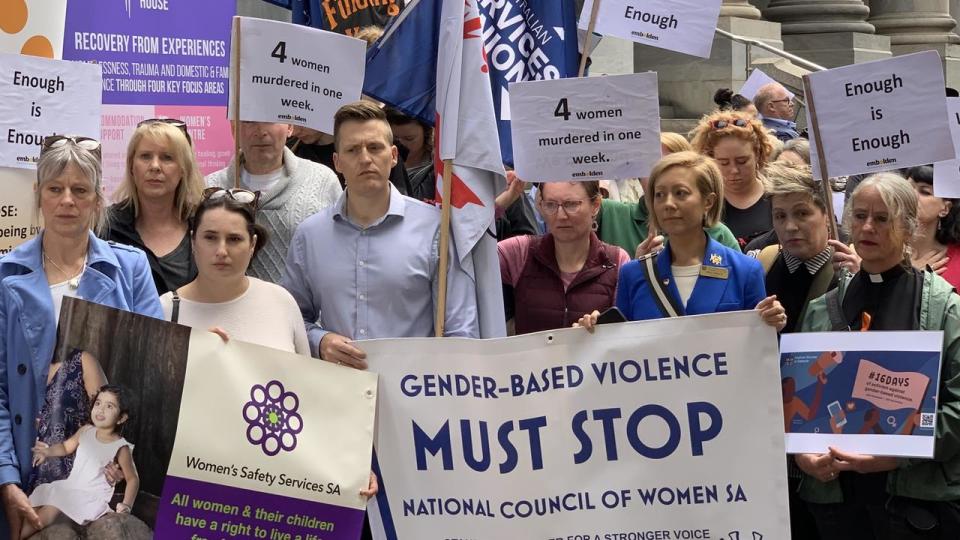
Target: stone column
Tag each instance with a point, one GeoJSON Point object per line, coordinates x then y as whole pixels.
{"type": "Point", "coordinates": [739, 8]}
{"type": "Point", "coordinates": [831, 33]}
{"type": "Point", "coordinates": [919, 25]}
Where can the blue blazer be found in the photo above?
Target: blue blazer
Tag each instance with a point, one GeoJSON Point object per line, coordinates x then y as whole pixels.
{"type": "Point", "coordinates": [116, 275]}
{"type": "Point", "coordinates": [743, 287]}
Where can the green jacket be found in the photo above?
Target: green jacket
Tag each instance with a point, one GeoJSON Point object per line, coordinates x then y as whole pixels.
{"type": "Point", "coordinates": [936, 479]}
{"type": "Point", "coordinates": [625, 224]}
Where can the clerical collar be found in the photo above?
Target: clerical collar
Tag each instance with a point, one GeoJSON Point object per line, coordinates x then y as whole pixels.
{"type": "Point", "coordinates": [885, 276]}
{"type": "Point", "coordinates": [813, 264]}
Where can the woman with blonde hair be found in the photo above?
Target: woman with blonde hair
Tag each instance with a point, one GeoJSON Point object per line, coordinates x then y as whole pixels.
{"type": "Point", "coordinates": [160, 189]}
{"type": "Point", "coordinates": [741, 148]}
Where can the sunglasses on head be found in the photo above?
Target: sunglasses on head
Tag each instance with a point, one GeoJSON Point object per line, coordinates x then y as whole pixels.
{"type": "Point", "coordinates": [242, 196]}
{"type": "Point", "coordinates": [56, 141]}
{"type": "Point", "coordinates": [179, 124]}
{"type": "Point", "coordinates": [738, 122]}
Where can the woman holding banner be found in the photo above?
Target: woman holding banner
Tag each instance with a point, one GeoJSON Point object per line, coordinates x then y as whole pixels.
{"type": "Point", "coordinates": [694, 274]}
{"type": "Point", "coordinates": [741, 148]}
{"type": "Point", "coordinates": [937, 242]}
{"type": "Point", "coordinates": [160, 188]}
{"type": "Point", "coordinates": [873, 497]}
{"type": "Point", "coordinates": [65, 259]}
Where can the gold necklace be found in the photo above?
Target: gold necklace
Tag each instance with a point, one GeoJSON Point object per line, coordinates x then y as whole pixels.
{"type": "Point", "coordinates": [73, 282]}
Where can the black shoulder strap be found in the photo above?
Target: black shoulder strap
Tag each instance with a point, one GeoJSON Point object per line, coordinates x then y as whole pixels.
{"type": "Point", "coordinates": [667, 304]}
{"type": "Point", "coordinates": [835, 310]}
{"type": "Point", "coordinates": [175, 315]}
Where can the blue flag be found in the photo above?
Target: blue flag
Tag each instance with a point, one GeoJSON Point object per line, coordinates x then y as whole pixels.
{"type": "Point", "coordinates": [341, 16]}
{"type": "Point", "coordinates": [524, 40]}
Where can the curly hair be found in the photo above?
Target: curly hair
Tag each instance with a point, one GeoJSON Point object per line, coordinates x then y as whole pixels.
{"type": "Point", "coordinates": [705, 136]}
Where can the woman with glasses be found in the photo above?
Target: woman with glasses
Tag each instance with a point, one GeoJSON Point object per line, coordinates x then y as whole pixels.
{"type": "Point", "coordinates": [741, 148]}
{"type": "Point", "coordinates": [160, 188]}
{"type": "Point", "coordinates": [693, 274]}
{"type": "Point", "coordinates": [557, 277]}
{"type": "Point", "coordinates": [65, 259]}
{"type": "Point", "coordinates": [225, 237]}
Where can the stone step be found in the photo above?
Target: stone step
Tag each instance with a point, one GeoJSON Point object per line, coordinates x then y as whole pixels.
{"type": "Point", "coordinates": [678, 125]}
{"type": "Point", "coordinates": [667, 111]}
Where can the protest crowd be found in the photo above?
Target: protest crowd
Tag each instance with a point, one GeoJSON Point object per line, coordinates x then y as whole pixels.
{"type": "Point", "coordinates": [331, 239]}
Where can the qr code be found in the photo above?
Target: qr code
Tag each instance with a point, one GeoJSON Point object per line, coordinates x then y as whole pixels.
{"type": "Point", "coordinates": [926, 420]}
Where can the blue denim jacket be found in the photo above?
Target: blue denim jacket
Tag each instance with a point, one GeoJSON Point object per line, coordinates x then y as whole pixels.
{"type": "Point", "coordinates": [116, 276]}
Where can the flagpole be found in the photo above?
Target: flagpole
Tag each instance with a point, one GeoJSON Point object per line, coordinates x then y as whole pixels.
{"type": "Point", "coordinates": [445, 204]}
{"type": "Point", "coordinates": [821, 158]}
{"type": "Point", "coordinates": [589, 38]}
{"type": "Point", "coordinates": [235, 82]}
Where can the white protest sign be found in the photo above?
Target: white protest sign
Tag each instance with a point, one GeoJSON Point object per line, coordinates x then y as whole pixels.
{"type": "Point", "coordinates": [296, 74]}
{"type": "Point", "coordinates": [585, 129]}
{"type": "Point", "coordinates": [685, 26]}
{"type": "Point", "coordinates": [40, 97]}
{"type": "Point", "coordinates": [946, 174]}
{"type": "Point", "coordinates": [754, 82]}
{"type": "Point", "coordinates": [880, 115]}
{"type": "Point", "coordinates": [626, 433]}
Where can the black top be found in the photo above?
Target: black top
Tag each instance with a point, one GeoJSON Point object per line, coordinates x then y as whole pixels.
{"type": "Point", "coordinates": [748, 223]}
{"type": "Point", "coordinates": [892, 299]}
{"type": "Point", "coordinates": [791, 289]}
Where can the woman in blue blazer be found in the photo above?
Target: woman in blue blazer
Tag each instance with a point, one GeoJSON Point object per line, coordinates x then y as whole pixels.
{"type": "Point", "coordinates": [693, 274]}
{"type": "Point", "coordinates": [65, 259]}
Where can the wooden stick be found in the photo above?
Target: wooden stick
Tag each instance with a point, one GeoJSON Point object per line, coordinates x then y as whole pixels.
{"type": "Point", "coordinates": [589, 38]}
{"type": "Point", "coordinates": [235, 83]}
{"type": "Point", "coordinates": [821, 158]}
{"type": "Point", "coordinates": [445, 209]}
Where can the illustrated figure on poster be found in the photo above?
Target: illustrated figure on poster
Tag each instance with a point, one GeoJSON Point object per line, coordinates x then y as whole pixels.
{"type": "Point", "coordinates": [794, 406]}
{"type": "Point", "coordinates": [71, 385]}
{"type": "Point", "coordinates": [85, 495]}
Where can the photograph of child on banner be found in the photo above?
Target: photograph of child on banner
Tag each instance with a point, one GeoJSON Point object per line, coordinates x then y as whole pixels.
{"type": "Point", "coordinates": [85, 494]}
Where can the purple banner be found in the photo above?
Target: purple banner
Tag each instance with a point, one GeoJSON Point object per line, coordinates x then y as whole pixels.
{"type": "Point", "coordinates": [154, 52]}
{"type": "Point", "coordinates": [190, 507]}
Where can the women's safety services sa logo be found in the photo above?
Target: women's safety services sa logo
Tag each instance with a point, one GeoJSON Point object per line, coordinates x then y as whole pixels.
{"type": "Point", "coordinates": [272, 418]}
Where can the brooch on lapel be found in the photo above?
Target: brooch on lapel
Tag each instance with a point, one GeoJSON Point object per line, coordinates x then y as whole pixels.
{"type": "Point", "coordinates": [716, 259]}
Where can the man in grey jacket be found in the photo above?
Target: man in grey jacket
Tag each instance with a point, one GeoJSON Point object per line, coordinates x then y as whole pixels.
{"type": "Point", "coordinates": [291, 190]}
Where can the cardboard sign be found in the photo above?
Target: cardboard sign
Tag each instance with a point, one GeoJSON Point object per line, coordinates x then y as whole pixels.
{"type": "Point", "coordinates": [685, 26]}
{"type": "Point", "coordinates": [586, 129]}
{"type": "Point", "coordinates": [946, 174]}
{"type": "Point", "coordinates": [754, 82]}
{"type": "Point", "coordinates": [296, 74]}
{"type": "Point", "coordinates": [40, 97]}
{"type": "Point", "coordinates": [626, 433]}
{"type": "Point", "coordinates": [880, 115]}
{"type": "Point", "coordinates": [843, 389]}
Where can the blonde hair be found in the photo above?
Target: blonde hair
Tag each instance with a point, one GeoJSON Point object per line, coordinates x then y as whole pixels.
{"type": "Point", "coordinates": [706, 174]}
{"type": "Point", "coordinates": [674, 142]}
{"type": "Point", "coordinates": [901, 200]}
{"type": "Point", "coordinates": [189, 190]}
{"type": "Point", "coordinates": [370, 34]}
{"type": "Point", "coordinates": [784, 178]}
{"type": "Point", "coordinates": [705, 136]}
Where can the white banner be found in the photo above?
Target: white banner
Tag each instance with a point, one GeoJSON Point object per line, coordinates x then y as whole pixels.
{"type": "Point", "coordinates": [946, 174]}
{"type": "Point", "coordinates": [754, 82]}
{"type": "Point", "coordinates": [597, 128]}
{"type": "Point", "coordinates": [881, 115]}
{"type": "Point", "coordinates": [636, 431]}
{"type": "Point", "coordinates": [685, 26]}
{"type": "Point", "coordinates": [40, 97]}
{"type": "Point", "coordinates": [295, 74]}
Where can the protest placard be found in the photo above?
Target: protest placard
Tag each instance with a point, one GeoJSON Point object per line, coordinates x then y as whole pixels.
{"type": "Point", "coordinates": [864, 393]}
{"type": "Point", "coordinates": [296, 74]}
{"type": "Point", "coordinates": [40, 97]}
{"type": "Point", "coordinates": [879, 115]}
{"type": "Point", "coordinates": [946, 174]}
{"type": "Point", "coordinates": [635, 431]}
{"type": "Point", "coordinates": [754, 82]}
{"type": "Point", "coordinates": [586, 128]}
{"type": "Point", "coordinates": [685, 26]}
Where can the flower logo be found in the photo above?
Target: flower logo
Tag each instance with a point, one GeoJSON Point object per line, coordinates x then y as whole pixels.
{"type": "Point", "coordinates": [272, 419]}
{"type": "Point", "coordinates": [716, 259]}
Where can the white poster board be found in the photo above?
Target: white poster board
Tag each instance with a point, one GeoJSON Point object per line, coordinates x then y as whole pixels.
{"type": "Point", "coordinates": [685, 26]}
{"type": "Point", "coordinates": [295, 74]}
{"type": "Point", "coordinates": [946, 174]}
{"type": "Point", "coordinates": [754, 82]}
{"type": "Point", "coordinates": [880, 115]}
{"type": "Point", "coordinates": [596, 128]}
{"type": "Point", "coordinates": [40, 97]}
{"type": "Point", "coordinates": [607, 429]}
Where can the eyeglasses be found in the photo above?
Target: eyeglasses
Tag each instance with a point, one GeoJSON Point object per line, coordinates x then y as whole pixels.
{"type": "Point", "coordinates": [552, 207]}
{"type": "Point", "coordinates": [56, 141]}
{"type": "Point", "coordinates": [738, 122]}
{"type": "Point", "coordinates": [242, 196]}
{"type": "Point", "coordinates": [179, 124]}
{"type": "Point", "coordinates": [784, 100]}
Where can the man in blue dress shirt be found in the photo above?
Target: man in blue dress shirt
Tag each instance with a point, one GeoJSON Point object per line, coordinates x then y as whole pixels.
{"type": "Point", "coordinates": [368, 266]}
{"type": "Point", "coordinates": [775, 105]}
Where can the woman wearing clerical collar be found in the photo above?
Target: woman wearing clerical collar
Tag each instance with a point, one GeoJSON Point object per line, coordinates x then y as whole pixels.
{"type": "Point", "coordinates": [694, 274]}
{"type": "Point", "coordinates": [858, 496]}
